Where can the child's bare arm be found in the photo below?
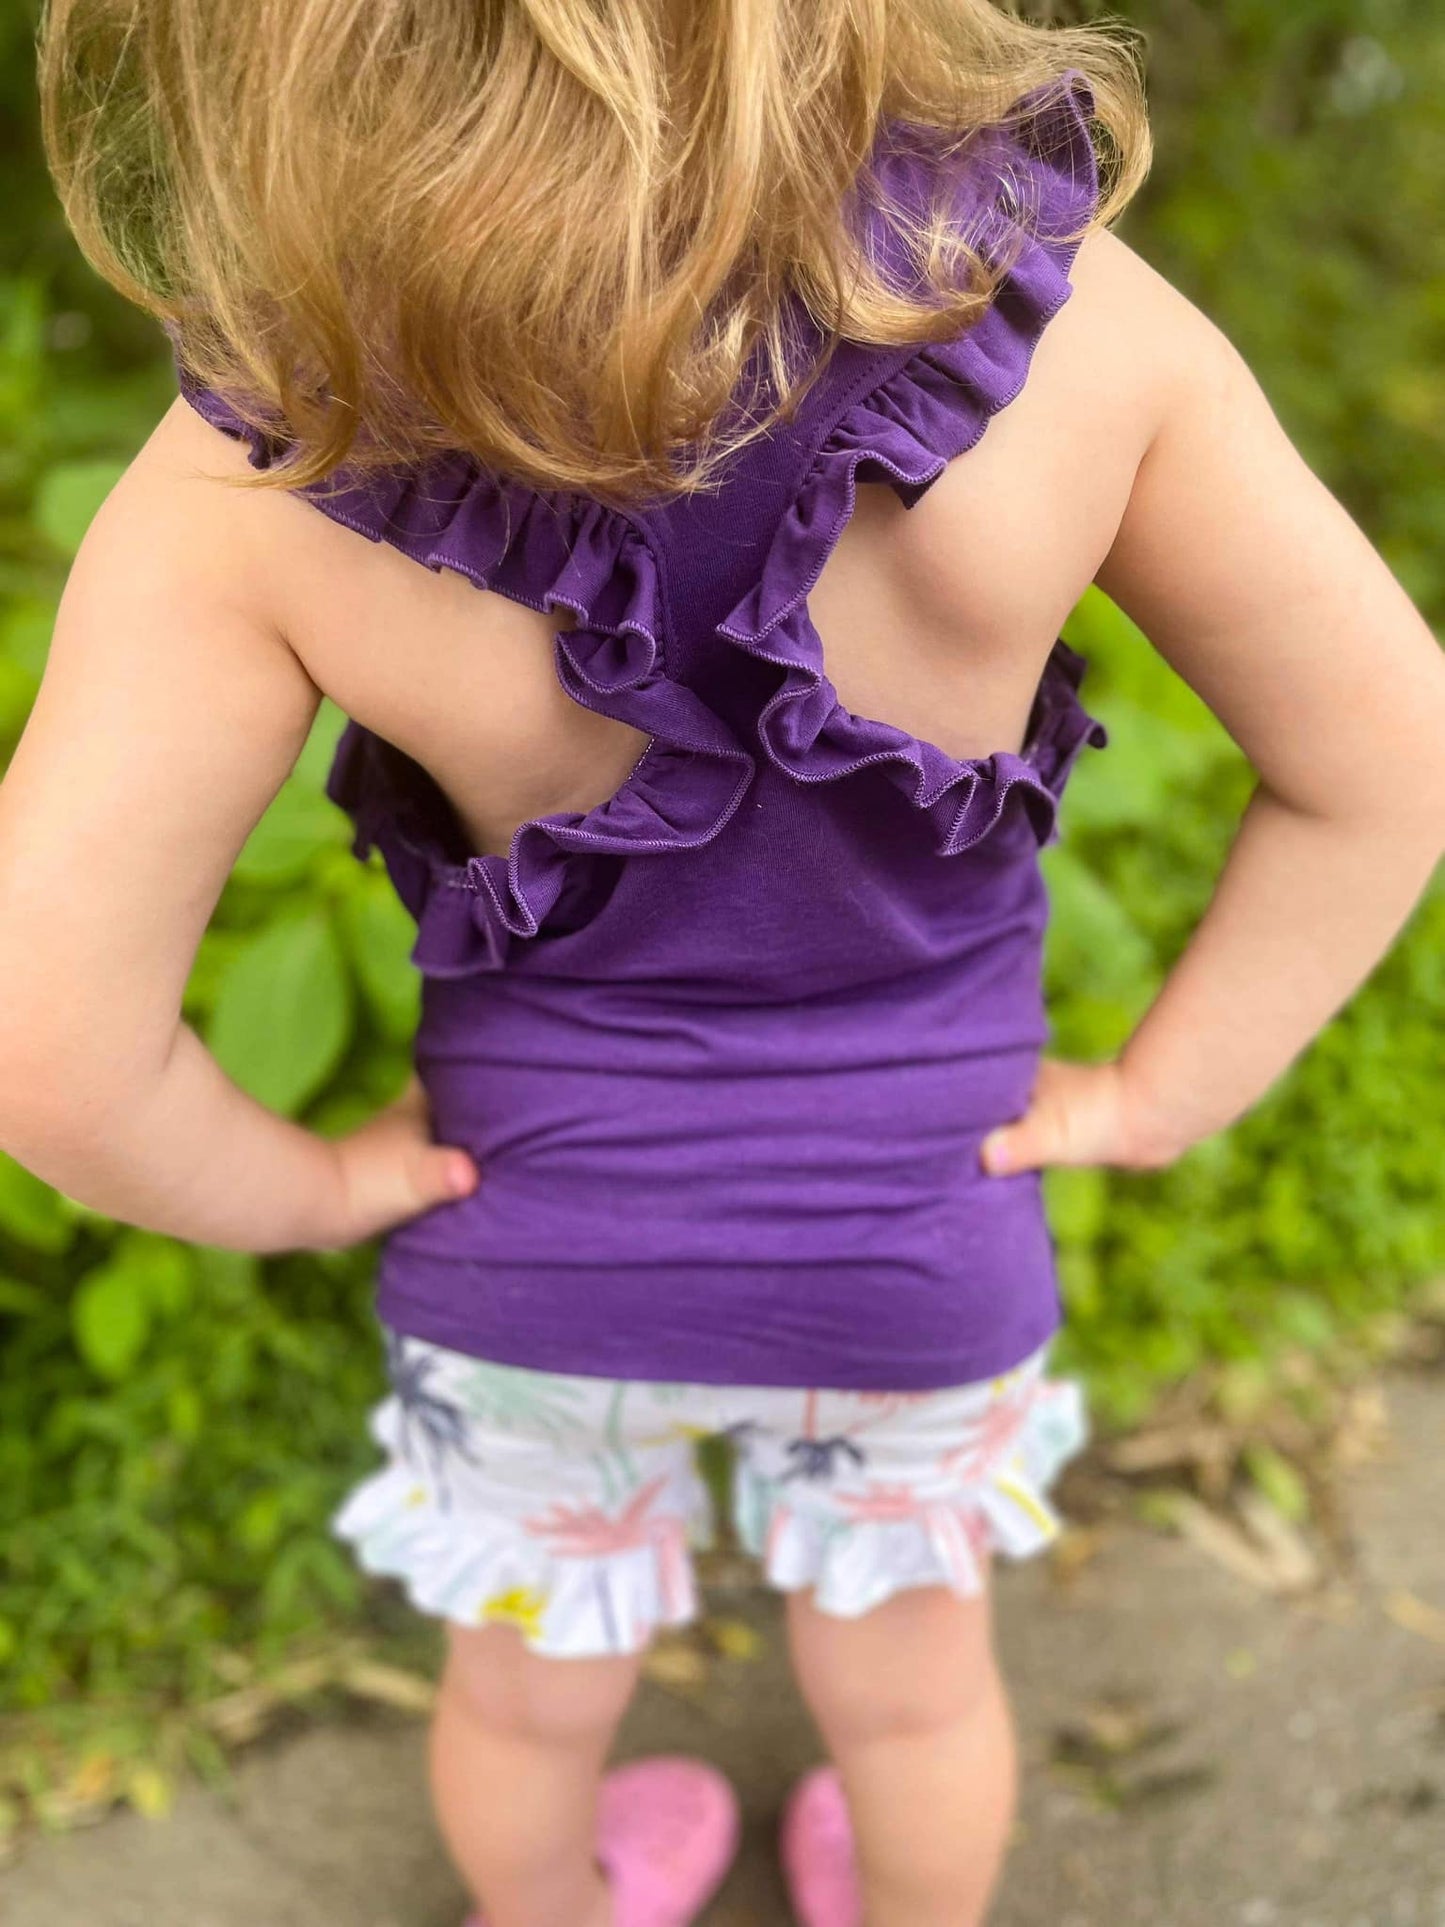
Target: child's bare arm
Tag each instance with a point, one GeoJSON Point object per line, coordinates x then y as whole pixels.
{"type": "Point", "coordinates": [170, 713]}
{"type": "Point", "coordinates": [1255, 584]}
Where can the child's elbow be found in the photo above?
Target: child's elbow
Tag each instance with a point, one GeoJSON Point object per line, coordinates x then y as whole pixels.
{"type": "Point", "coordinates": [49, 1097]}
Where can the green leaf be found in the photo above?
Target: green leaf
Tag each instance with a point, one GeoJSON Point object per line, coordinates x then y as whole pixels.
{"type": "Point", "coordinates": [283, 1013]}
{"type": "Point", "coordinates": [1076, 1197]}
{"type": "Point", "coordinates": [25, 630]}
{"type": "Point", "coordinates": [216, 952]}
{"type": "Point", "coordinates": [1094, 944]}
{"type": "Point", "coordinates": [1098, 626]}
{"type": "Point", "coordinates": [110, 1317]}
{"type": "Point", "coordinates": [379, 934]}
{"type": "Point", "coordinates": [313, 765]}
{"type": "Point", "coordinates": [231, 1279]}
{"type": "Point", "coordinates": [31, 1211]}
{"type": "Point", "coordinates": [1149, 761]}
{"type": "Point", "coordinates": [17, 694]}
{"type": "Point", "coordinates": [298, 826]}
{"type": "Point", "coordinates": [20, 1300]}
{"type": "Point", "coordinates": [339, 1113]}
{"type": "Point", "coordinates": [258, 1526]}
{"type": "Point", "coordinates": [1303, 1319]}
{"type": "Point", "coordinates": [22, 318]}
{"type": "Point", "coordinates": [185, 1413]}
{"type": "Point", "coordinates": [70, 495]}
{"type": "Point", "coordinates": [165, 1268]}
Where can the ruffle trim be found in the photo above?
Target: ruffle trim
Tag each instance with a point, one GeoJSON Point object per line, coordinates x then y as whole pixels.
{"type": "Point", "coordinates": [904, 432]}
{"type": "Point", "coordinates": [550, 552]}
{"type": "Point", "coordinates": [561, 551]}
{"type": "Point", "coordinates": [566, 1605]}
{"type": "Point", "coordinates": [900, 1541]}
{"type": "Point", "coordinates": [401, 1525]}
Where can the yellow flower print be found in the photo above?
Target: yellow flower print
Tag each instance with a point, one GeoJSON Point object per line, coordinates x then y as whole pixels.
{"type": "Point", "coordinates": [522, 1606]}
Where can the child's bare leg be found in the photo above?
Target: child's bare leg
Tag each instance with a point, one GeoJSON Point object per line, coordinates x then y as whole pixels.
{"type": "Point", "coordinates": [912, 1709]}
{"type": "Point", "coordinates": [518, 1744]}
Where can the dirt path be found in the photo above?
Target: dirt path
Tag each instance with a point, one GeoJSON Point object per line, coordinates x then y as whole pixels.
{"type": "Point", "coordinates": [1196, 1755]}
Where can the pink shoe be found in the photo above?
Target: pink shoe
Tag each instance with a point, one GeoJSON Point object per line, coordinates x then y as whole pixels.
{"type": "Point", "coordinates": [817, 1853]}
{"type": "Point", "coordinates": [667, 1831]}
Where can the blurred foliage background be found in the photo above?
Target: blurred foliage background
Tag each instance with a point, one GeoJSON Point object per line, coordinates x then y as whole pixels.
{"type": "Point", "coordinates": [176, 1423]}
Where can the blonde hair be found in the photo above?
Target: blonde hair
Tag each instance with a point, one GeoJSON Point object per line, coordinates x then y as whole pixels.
{"type": "Point", "coordinates": [557, 234]}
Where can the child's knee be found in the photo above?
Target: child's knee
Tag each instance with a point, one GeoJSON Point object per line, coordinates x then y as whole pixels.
{"type": "Point", "coordinates": [493, 1677]}
{"type": "Point", "coordinates": [920, 1663]}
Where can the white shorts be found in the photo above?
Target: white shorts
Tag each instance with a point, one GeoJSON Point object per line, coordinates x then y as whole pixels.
{"type": "Point", "coordinates": [568, 1506]}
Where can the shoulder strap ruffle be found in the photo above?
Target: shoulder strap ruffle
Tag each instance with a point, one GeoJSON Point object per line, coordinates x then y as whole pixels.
{"type": "Point", "coordinates": [561, 551]}
{"type": "Point", "coordinates": [549, 552]}
{"type": "Point", "coordinates": [904, 431]}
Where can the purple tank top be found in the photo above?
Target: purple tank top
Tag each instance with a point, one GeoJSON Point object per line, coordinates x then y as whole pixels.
{"type": "Point", "coordinates": [725, 1046]}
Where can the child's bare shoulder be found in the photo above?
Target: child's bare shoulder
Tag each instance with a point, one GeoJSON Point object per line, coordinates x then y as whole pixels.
{"type": "Point", "coordinates": [174, 517]}
{"type": "Point", "coordinates": [1153, 346]}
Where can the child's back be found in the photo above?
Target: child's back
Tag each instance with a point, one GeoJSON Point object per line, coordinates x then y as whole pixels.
{"type": "Point", "coordinates": [724, 1029]}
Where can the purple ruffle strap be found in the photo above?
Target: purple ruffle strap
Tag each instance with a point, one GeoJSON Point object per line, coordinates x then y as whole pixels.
{"type": "Point", "coordinates": [904, 432]}
{"type": "Point", "coordinates": [549, 552]}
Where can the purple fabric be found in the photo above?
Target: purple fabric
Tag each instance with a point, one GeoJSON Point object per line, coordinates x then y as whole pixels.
{"type": "Point", "coordinates": [725, 1046]}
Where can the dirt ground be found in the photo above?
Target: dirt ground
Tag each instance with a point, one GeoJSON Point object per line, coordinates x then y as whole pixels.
{"type": "Point", "coordinates": [1198, 1753]}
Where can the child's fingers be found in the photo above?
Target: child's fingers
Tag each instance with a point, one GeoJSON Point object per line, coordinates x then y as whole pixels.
{"type": "Point", "coordinates": [1072, 1118]}
{"type": "Point", "coordinates": [397, 1188]}
{"type": "Point", "coordinates": [393, 1170]}
{"type": "Point", "coordinates": [1037, 1138]}
{"type": "Point", "coordinates": [1077, 1114]}
{"type": "Point", "coordinates": [429, 1173]}
{"type": "Point", "coordinates": [1027, 1145]}
{"type": "Point", "coordinates": [441, 1172]}
{"type": "Point", "coordinates": [434, 1174]}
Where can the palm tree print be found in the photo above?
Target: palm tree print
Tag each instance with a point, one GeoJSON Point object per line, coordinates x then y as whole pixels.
{"type": "Point", "coordinates": [812, 1457]}
{"type": "Point", "coordinates": [815, 1459]}
{"type": "Point", "coordinates": [516, 1400]}
{"type": "Point", "coordinates": [587, 1532]}
{"type": "Point", "coordinates": [441, 1428]}
{"type": "Point", "coordinates": [741, 1432]}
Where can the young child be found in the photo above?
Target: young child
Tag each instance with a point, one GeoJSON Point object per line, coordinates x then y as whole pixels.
{"type": "Point", "coordinates": [712, 413]}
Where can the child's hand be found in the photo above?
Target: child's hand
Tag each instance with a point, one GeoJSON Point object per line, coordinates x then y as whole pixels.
{"type": "Point", "coordinates": [1078, 1114]}
{"type": "Point", "coordinates": [391, 1169]}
